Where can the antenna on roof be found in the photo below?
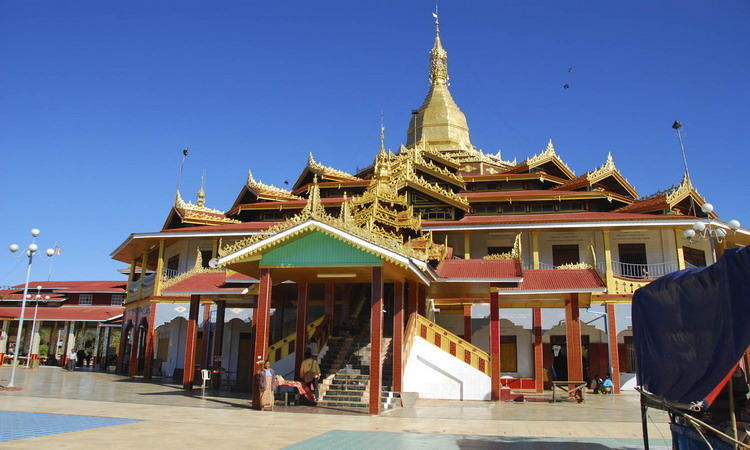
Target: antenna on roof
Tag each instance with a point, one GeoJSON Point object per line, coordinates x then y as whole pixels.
{"type": "Point", "coordinates": [677, 125]}
{"type": "Point", "coordinates": [182, 163]}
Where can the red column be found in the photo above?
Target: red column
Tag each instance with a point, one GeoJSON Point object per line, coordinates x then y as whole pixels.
{"type": "Point", "coordinates": [573, 339]}
{"type": "Point", "coordinates": [300, 343]}
{"type": "Point", "coordinates": [376, 335]}
{"type": "Point", "coordinates": [614, 352]}
{"type": "Point", "coordinates": [329, 304]}
{"type": "Point", "coordinates": [412, 303]}
{"type": "Point", "coordinates": [538, 354]}
{"type": "Point", "coordinates": [260, 352]}
{"type": "Point", "coordinates": [495, 346]}
{"type": "Point", "coordinates": [467, 323]}
{"type": "Point", "coordinates": [134, 344]}
{"type": "Point", "coordinates": [148, 363]}
{"type": "Point", "coordinates": [120, 348]}
{"type": "Point", "coordinates": [191, 338]}
{"type": "Point", "coordinates": [398, 335]}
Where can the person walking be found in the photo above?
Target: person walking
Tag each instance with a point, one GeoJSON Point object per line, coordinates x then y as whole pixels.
{"type": "Point", "coordinates": [310, 372]}
{"type": "Point", "coordinates": [70, 364]}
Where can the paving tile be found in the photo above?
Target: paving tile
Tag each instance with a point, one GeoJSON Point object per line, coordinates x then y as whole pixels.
{"type": "Point", "coordinates": [23, 425]}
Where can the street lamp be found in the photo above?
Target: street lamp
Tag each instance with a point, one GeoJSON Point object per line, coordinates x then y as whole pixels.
{"type": "Point", "coordinates": [37, 299]}
{"type": "Point", "coordinates": [708, 231]}
{"type": "Point", "coordinates": [30, 252]}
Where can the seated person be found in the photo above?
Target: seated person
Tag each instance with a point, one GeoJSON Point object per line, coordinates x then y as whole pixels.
{"type": "Point", "coordinates": [607, 386]}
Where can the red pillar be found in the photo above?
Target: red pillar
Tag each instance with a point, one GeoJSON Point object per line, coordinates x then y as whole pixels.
{"type": "Point", "coordinates": [376, 335]}
{"type": "Point", "coordinates": [300, 343]}
{"type": "Point", "coordinates": [614, 352]}
{"type": "Point", "coordinates": [260, 352]}
{"type": "Point", "coordinates": [467, 323]}
{"type": "Point", "coordinates": [134, 344]}
{"type": "Point", "coordinates": [495, 346]}
{"type": "Point", "coordinates": [148, 363]}
{"type": "Point", "coordinates": [120, 350]}
{"type": "Point", "coordinates": [191, 338]}
{"type": "Point", "coordinates": [329, 304]}
{"type": "Point", "coordinates": [412, 303]}
{"type": "Point", "coordinates": [573, 339]}
{"type": "Point", "coordinates": [538, 353]}
{"type": "Point", "coordinates": [398, 335]}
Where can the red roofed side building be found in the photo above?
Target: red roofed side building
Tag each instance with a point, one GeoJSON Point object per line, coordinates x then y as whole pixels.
{"type": "Point", "coordinates": [63, 316]}
{"type": "Point", "coordinates": [516, 268]}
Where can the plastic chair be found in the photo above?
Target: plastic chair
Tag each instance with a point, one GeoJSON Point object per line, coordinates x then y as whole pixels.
{"type": "Point", "coordinates": [205, 376]}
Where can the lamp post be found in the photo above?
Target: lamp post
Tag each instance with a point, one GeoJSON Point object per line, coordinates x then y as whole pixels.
{"type": "Point", "coordinates": [32, 341]}
{"type": "Point", "coordinates": [30, 252]}
{"type": "Point", "coordinates": [708, 231]}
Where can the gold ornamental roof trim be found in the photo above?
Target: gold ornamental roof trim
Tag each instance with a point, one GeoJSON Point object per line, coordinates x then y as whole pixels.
{"type": "Point", "coordinates": [268, 190]}
{"type": "Point", "coordinates": [315, 166]}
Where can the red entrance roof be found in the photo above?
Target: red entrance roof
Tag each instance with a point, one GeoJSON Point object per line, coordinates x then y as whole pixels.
{"type": "Point", "coordinates": [83, 313]}
{"type": "Point", "coordinates": [480, 269]}
{"type": "Point", "coordinates": [205, 283]}
{"type": "Point", "coordinates": [569, 280]}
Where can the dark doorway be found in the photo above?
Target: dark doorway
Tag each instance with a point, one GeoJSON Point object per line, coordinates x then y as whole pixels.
{"type": "Point", "coordinates": [564, 254]}
{"type": "Point", "coordinates": [633, 260]}
{"type": "Point", "coordinates": [560, 356]}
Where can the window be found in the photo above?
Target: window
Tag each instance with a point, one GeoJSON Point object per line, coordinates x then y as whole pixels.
{"type": "Point", "coordinates": [485, 209]}
{"type": "Point", "coordinates": [508, 354]}
{"type": "Point", "coordinates": [117, 300]}
{"type": "Point", "coordinates": [694, 257]}
{"type": "Point", "coordinates": [85, 299]}
{"type": "Point", "coordinates": [436, 213]}
{"type": "Point", "coordinates": [206, 256]}
{"type": "Point", "coordinates": [565, 254]}
{"type": "Point", "coordinates": [173, 263]}
{"type": "Point", "coordinates": [498, 250]}
{"type": "Point", "coordinates": [514, 209]}
{"type": "Point", "coordinates": [542, 207]}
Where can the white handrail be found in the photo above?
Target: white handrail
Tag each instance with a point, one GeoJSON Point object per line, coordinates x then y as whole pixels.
{"type": "Point", "coordinates": [643, 271]}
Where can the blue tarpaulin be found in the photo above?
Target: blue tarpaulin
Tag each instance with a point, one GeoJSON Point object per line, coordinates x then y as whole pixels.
{"type": "Point", "coordinates": [691, 327]}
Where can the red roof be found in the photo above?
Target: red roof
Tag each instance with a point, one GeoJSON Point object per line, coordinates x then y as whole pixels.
{"type": "Point", "coordinates": [89, 313]}
{"type": "Point", "coordinates": [236, 276]}
{"type": "Point", "coordinates": [75, 286]}
{"type": "Point", "coordinates": [204, 282]}
{"type": "Point", "coordinates": [244, 226]}
{"type": "Point", "coordinates": [480, 269]}
{"type": "Point", "coordinates": [559, 279]}
{"type": "Point", "coordinates": [556, 217]}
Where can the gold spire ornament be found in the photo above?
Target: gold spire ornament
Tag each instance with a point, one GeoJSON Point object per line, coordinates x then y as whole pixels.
{"type": "Point", "coordinates": [438, 57]}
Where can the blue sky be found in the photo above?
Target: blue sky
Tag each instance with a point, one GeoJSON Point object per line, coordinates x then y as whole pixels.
{"type": "Point", "coordinates": [98, 98]}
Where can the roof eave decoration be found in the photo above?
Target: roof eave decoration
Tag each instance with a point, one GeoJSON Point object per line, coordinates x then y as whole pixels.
{"type": "Point", "coordinates": [514, 253]}
{"type": "Point", "coordinates": [313, 213]}
{"type": "Point", "coordinates": [189, 212]}
{"type": "Point", "coordinates": [267, 191]}
{"type": "Point", "coordinates": [327, 172]}
{"type": "Point", "coordinates": [549, 155]}
{"type": "Point", "coordinates": [683, 191]}
{"type": "Point", "coordinates": [608, 169]}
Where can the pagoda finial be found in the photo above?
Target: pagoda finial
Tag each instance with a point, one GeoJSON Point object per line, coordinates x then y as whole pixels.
{"type": "Point", "coordinates": [550, 147]}
{"type": "Point", "coordinates": [178, 199]}
{"type": "Point", "coordinates": [382, 133]}
{"type": "Point", "coordinates": [438, 57]}
{"type": "Point", "coordinates": [346, 211]}
{"type": "Point", "coordinates": [250, 179]}
{"type": "Point", "coordinates": [202, 191]}
{"type": "Point", "coordinates": [310, 159]}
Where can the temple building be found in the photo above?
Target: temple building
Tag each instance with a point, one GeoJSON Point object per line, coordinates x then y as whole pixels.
{"type": "Point", "coordinates": [437, 269]}
{"type": "Point", "coordinates": [62, 316]}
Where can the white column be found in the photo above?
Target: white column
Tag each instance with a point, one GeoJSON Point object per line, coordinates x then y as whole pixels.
{"type": "Point", "coordinates": [35, 338]}
{"type": "Point", "coordinates": [70, 342]}
{"type": "Point", "coordinates": [4, 336]}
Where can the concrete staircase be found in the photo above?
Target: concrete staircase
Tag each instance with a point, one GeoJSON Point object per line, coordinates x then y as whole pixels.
{"type": "Point", "coordinates": [346, 374]}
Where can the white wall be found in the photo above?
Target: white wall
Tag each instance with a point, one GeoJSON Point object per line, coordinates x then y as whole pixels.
{"type": "Point", "coordinates": [433, 373]}
{"type": "Point", "coordinates": [524, 346]}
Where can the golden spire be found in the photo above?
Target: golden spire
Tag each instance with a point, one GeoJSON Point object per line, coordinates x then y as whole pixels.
{"type": "Point", "coordinates": [438, 57]}
{"type": "Point", "coordinates": [202, 191]}
{"type": "Point", "coordinates": [314, 207]}
{"type": "Point", "coordinates": [382, 134]}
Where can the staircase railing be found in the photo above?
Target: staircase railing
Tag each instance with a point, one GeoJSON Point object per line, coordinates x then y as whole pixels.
{"type": "Point", "coordinates": [446, 341]}
{"type": "Point", "coordinates": [317, 332]}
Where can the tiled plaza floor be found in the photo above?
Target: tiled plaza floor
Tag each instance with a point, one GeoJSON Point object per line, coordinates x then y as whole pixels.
{"type": "Point", "coordinates": [20, 425]}
{"type": "Point", "coordinates": [378, 440]}
{"type": "Point", "coordinates": [163, 415]}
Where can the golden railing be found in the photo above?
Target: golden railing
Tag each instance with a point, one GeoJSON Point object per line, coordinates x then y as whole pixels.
{"type": "Point", "coordinates": [622, 286]}
{"type": "Point", "coordinates": [317, 331]}
{"type": "Point", "coordinates": [446, 341]}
